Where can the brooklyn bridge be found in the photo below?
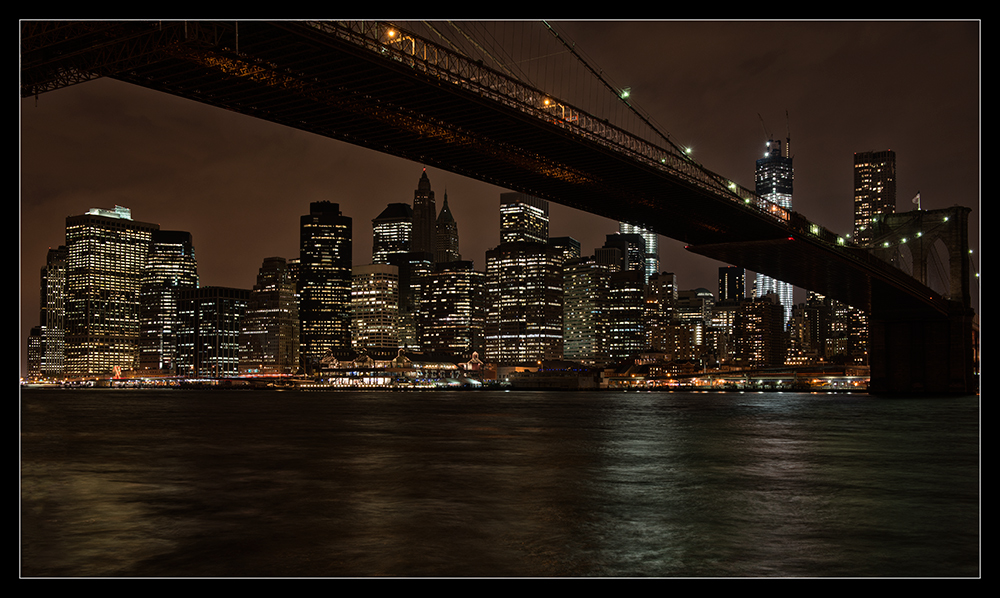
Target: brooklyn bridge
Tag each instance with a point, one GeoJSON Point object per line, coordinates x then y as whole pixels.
{"type": "Point", "coordinates": [381, 87]}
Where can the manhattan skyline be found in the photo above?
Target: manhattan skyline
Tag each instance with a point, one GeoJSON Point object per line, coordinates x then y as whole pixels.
{"type": "Point", "coordinates": [239, 185]}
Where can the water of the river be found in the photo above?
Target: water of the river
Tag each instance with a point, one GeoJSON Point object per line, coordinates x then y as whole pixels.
{"type": "Point", "coordinates": [497, 484]}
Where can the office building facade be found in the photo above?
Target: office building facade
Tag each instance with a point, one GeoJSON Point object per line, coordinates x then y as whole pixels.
{"type": "Point", "coordinates": [269, 331]}
{"type": "Point", "coordinates": [375, 307]}
{"type": "Point", "coordinates": [170, 268]}
{"type": "Point", "coordinates": [453, 310]}
{"type": "Point", "coordinates": [523, 218]}
{"type": "Point", "coordinates": [525, 297]}
{"type": "Point", "coordinates": [652, 243]}
{"type": "Point", "coordinates": [774, 177]}
{"type": "Point", "coordinates": [874, 191]}
{"type": "Point", "coordinates": [106, 254]}
{"type": "Point", "coordinates": [208, 340]}
{"type": "Point", "coordinates": [392, 232]}
{"type": "Point", "coordinates": [324, 284]}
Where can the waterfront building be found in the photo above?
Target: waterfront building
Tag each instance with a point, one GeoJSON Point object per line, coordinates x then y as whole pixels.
{"type": "Point", "coordinates": [424, 217]}
{"type": "Point", "coordinates": [52, 329]}
{"type": "Point", "coordinates": [269, 330]}
{"type": "Point", "coordinates": [375, 307]}
{"type": "Point", "coordinates": [585, 296]}
{"type": "Point", "coordinates": [523, 218]}
{"type": "Point", "coordinates": [758, 333]}
{"type": "Point", "coordinates": [525, 295]}
{"type": "Point", "coordinates": [170, 267]}
{"type": "Point", "coordinates": [774, 178]}
{"type": "Point", "coordinates": [34, 354]}
{"type": "Point", "coordinates": [208, 339]}
{"type": "Point", "coordinates": [106, 254]}
{"type": "Point", "coordinates": [392, 232]}
{"type": "Point", "coordinates": [652, 244]}
{"type": "Point", "coordinates": [660, 300]}
{"type": "Point", "coordinates": [874, 191]}
{"type": "Point", "coordinates": [453, 310]}
{"type": "Point", "coordinates": [412, 267]}
{"type": "Point", "coordinates": [623, 329]}
{"type": "Point", "coordinates": [324, 285]}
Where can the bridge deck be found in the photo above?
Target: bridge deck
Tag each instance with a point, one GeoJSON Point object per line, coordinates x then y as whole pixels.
{"type": "Point", "coordinates": [296, 75]}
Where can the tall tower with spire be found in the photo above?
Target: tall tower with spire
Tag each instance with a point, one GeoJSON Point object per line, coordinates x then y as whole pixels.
{"type": "Point", "coordinates": [424, 217]}
{"type": "Point", "coordinates": [774, 184]}
{"type": "Point", "coordinates": [447, 236]}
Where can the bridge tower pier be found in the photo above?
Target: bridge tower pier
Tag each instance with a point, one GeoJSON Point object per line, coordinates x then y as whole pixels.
{"type": "Point", "coordinates": [911, 351]}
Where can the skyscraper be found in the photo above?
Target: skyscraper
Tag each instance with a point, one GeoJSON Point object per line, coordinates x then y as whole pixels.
{"type": "Point", "coordinates": [632, 254]}
{"type": "Point", "coordinates": [269, 330]}
{"type": "Point", "coordinates": [732, 283]}
{"type": "Point", "coordinates": [874, 191]}
{"type": "Point", "coordinates": [170, 268]}
{"type": "Point", "coordinates": [106, 253]}
{"type": "Point", "coordinates": [446, 236]}
{"type": "Point", "coordinates": [652, 257]}
{"type": "Point", "coordinates": [325, 262]}
{"type": "Point", "coordinates": [525, 295]}
{"type": "Point", "coordinates": [52, 331]}
{"type": "Point", "coordinates": [453, 309]}
{"type": "Point", "coordinates": [392, 232]}
{"type": "Point", "coordinates": [208, 340]}
{"type": "Point", "coordinates": [523, 218]}
{"type": "Point", "coordinates": [424, 217]}
{"type": "Point", "coordinates": [375, 307]}
{"type": "Point", "coordinates": [774, 177]}
{"type": "Point", "coordinates": [585, 306]}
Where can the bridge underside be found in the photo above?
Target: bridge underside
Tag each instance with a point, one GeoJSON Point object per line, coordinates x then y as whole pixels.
{"type": "Point", "coordinates": [292, 74]}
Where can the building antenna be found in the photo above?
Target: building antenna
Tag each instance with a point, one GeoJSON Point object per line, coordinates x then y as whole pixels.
{"type": "Point", "coordinates": [788, 136]}
{"type": "Point", "coordinates": [767, 134]}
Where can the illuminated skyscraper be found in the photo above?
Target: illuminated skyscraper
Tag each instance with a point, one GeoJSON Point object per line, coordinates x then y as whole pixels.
{"type": "Point", "coordinates": [424, 217]}
{"type": "Point", "coordinates": [523, 218]}
{"type": "Point", "coordinates": [585, 306]}
{"type": "Point", "coordinates": [208, 339]}
{"type": "Point", "coordinates": [661, 298]}
{"type": "Point", "coordinates": [631, 253]}
{"type": "Point", "coordinates": [269, 330]}
{"type": "Point", "coordinates": [774, 184]}
{"type": "Point", "coordinates": [325, 262]}
{"type": "Point", "coordinates": [106, 254]}
{"type": "Point", "coordinates": [392, 232]}
{"type": "Point", "coordinates": [652, 257]}
{"type": "Point", "coordinates": [52, 332]}
{"type": "Point", "coordinates": [624, 329]}
{"type": "Point", "coordinates": [170, 268]}
{"type": "Point", "coordinates": [524, 295]}
{"type": "Point", "coordinates": [758, 333]}
{"type": "Point", "coordinates": [874, 191]}
{"type": "Point", "coordinates": [375, 307]}
{"type": "Point", "coordinates": [453, 309]}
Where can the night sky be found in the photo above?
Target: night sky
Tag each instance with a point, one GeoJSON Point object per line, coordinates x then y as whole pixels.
{"type": "Point", "coordinates": [239, 185]}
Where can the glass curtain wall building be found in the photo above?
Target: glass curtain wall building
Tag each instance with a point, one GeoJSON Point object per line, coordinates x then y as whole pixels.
{"type": "Point", "coordinates": [106, 254]}
{"type": "Point", "coordinates": [325, 263]}
{"type": "Point", "coordinates": [774, 183]}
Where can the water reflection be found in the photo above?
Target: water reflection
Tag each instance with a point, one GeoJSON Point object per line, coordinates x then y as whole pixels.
{"type": "Point", "coordinates": [166, 483]}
